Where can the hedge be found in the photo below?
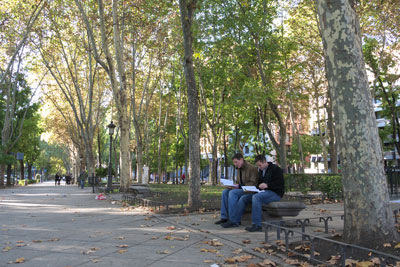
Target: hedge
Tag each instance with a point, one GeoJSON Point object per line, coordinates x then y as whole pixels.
{"type": "Point", "coordinates": [329, 184]}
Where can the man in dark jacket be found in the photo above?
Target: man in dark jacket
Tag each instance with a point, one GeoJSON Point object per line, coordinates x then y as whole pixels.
{"type": "Point", "coordinates": [246, 175]}
{"type": "Point", "coordinates": [271, 181]}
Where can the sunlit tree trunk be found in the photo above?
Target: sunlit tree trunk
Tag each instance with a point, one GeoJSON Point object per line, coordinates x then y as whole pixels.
{"type": "Point", "coordinates": [187, 9]}
{"type": "Point", "coordinates": [368, 216]}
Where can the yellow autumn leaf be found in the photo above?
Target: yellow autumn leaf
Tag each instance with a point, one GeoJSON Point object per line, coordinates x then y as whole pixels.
{"type": "Point", "coordinates": [269, 262]}
{"type": "Point", "coordinates": [7, 249]}
{"type": "Point", "coordinates": [397, 246]}
{"type": "Point", "coordinates": [364, 264]}
{"type": "Point", "coordinates": [122, 251]}
{"type": "Point", "coordinates": [20, 260]}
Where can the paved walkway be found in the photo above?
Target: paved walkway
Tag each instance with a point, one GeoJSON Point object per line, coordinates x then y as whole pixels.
{"type": "Point", "coordinates": [47, 225]}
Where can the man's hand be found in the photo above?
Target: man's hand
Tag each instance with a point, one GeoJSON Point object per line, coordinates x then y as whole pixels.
{"type": "Point", "coordinates": [263, 186]}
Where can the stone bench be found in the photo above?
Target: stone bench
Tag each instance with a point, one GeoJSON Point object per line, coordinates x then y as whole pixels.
{"type": "Point", "coordinates": [283, 208]}
{"type": "Point", "coordinates": [140, 189]}
{"type": "Point", "coordinates": [277, 210]}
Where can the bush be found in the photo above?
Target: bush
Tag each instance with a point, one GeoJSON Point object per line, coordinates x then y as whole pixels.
{"type": "Point", "coordinates": [329, 184]}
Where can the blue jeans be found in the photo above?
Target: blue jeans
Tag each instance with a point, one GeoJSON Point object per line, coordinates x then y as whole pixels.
{"type": "Point", "coordinates": [82, 183]}
{"type": "Point", "coordinates": [243, 201]}
{"type": "Point", "coordinates": [229, 200]}
{"type": "Point", "coordinates": [257, 201]}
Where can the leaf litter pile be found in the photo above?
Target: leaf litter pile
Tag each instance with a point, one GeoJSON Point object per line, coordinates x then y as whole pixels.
{"type": "Point", "coordinates": [328, 252]}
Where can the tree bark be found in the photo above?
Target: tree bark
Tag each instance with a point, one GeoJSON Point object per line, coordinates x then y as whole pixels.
{"type": "Point", "coordinates": [368, 216]}
{"type": "Point", "coordinates": [187, 11]}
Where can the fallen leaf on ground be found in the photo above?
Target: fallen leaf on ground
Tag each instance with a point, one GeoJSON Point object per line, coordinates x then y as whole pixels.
{"type": "Point", "coordinates": [163, 252]}
{"type": "Point", "coordinates": [290, 261]}
{"type": "Point", "coordinates": [20, 245]}
{"type": "Point", "coordinates": [214, 243]}
{"type": "Point", "coordinates": [364, 264]}
{"type": "Point", "coordinates": [154, 237]}
{"type": "Point", "coordinates": [204, 231]}
{"type": "Point", "coordinates": [266, 263]}
{"type": "Point", "coordinates": [334, 259]}
{"type": "Point", "coordinates": [208, 261]}
{"type": "Point", "coordinates": [122, 246]}
{"type": "Point", "coordinates": [53, 240]}
{"type": "Point", "coordinates": [95, 260]}
{"type": "Point", "coordinates": [122, 251]}
{"type": "Point", "coordinates": [20, 260]}
{"type": "Point", "coordinates": [171, 227]}
{"type": "Point", "coordinates": [376, 261]}
{"type": "Point", "coordinates": [350, 262]}
{"type": "Point", "coordinates": [37, 241]}
{"type": "Point", "coordinates": [261, 250]}
{"type": "Point", "coordinates": [6, 249]}
{"type": "Point", "coordinates": [121, 237]}
{"type": "Point", "coordinates": [291, 254]}
{"type": "Point", "coordinates": [237, 251]}
{"type": "Point", "coordinates": [397, 246]}
{"type": "Point", "coordinates": [208, 250]}
{"type": "Point", "coordinates": [238, 259]}
{"type": "Point", "coordinates": [246, 241]}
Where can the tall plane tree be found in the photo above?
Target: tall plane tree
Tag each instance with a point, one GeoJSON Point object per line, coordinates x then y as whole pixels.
{"type": "Point", "coordinates": [187, 8]}
{"type": "Point", "coordinates": [368, 216]}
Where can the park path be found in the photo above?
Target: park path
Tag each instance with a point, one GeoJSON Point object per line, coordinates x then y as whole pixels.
{"type": "Point", "coordinates": [47, 225]}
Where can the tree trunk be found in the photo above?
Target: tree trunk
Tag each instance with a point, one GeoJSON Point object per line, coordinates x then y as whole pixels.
{"type": "Point", "coordinates": [332, 140]}
{"type": "Point", "coordinates": [186, 11]}
{"type": "Point", "coordinates": [2, 170]}
{"type": "Point", "coordinates": [321, 137]}
{"type": "Point", "coordinates": [9, 174]}
{"type": "Point", "coordinates": [29, 171]}
{"type": "Point", "coordinates": [368, 216]}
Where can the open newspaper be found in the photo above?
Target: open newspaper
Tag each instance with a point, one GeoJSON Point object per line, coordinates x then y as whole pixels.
{"type": "Point", "coordinates": [251, 188]}
{"type": "Point", "coordinates": [229, 183]}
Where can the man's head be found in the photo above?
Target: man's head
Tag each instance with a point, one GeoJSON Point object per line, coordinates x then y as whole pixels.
{"type": "Point", "coordinates": [261, 162]}
{"type": "Point", "coordinates": [238, 160]}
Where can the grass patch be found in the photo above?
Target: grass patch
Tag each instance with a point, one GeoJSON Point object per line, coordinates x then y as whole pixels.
{"type": "Point", "coordinates": [176, 194]}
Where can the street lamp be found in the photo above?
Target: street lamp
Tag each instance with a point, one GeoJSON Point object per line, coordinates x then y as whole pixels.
{"type": "Point", "coordinates": [111, 127]}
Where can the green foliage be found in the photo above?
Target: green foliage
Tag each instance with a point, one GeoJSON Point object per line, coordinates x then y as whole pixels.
{"type": "Point", "coordinates": [101, 172]}
{"type": "Point", "coordinates": [329, 184]}
{"type": "Point", "coordinates": [310, 145]}
{"type": "Point", "coordinates": [6, 159]}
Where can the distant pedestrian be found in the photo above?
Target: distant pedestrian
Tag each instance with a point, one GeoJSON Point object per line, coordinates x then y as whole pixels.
{"type": "Point", "coordinates": [183, 178]}
{"type": "Point", "coordinates": [82, 178]}
{"type": "Point", "coordinates": [57, 179]}
{"type": "Point", "coordinates": [68, 178]}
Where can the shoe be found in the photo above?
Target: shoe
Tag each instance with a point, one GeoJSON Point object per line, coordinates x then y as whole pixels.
{"type": "Point", "coordinates": [254, 228]}
{"type": "Point", "coordinates": [229, 224]}
{"type": "Point", "coordinates": [221, 221]}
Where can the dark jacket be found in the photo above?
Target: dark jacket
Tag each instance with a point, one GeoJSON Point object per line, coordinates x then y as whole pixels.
{"type": "Point", "coordinates": [248, 173]}
{"type": "Point", "coordinates": [273, 177]}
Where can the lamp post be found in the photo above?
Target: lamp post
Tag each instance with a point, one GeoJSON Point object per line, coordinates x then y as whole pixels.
{"type": "Point", "coordinates": [111, 127]}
